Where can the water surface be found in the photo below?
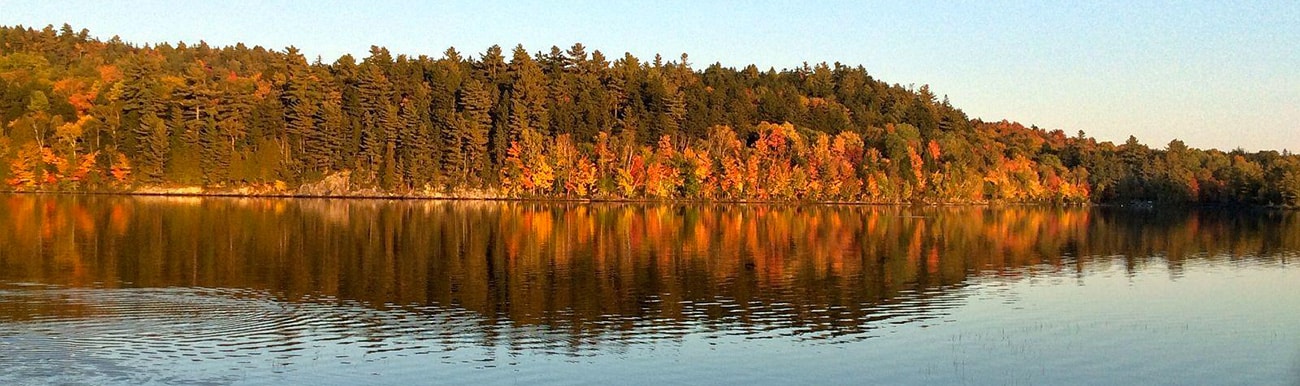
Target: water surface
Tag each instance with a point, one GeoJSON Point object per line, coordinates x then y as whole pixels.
{"type": "Point", "coordinates": [132, 290]}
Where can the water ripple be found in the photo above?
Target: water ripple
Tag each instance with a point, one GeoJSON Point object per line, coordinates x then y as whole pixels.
{"type": "Point", "coordinates": [122, 335]}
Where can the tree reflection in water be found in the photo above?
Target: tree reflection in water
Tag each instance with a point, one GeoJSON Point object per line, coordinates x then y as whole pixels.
{"type": "Point", "coordinates": [589, 270]}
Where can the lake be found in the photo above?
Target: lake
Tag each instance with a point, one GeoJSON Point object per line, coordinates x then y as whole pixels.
{"type": "Point", "coordinates": [188, 290]}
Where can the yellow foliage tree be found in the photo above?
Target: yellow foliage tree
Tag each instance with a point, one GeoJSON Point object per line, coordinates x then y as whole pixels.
{"type": "Point", "coordinates": [26, 169]}
{"type": "Point", "coordinates": [582, 180]}
{"type": "Point", "coordinates": [84, 166]}
{"type": "Point", "coordinates": [120, 169]}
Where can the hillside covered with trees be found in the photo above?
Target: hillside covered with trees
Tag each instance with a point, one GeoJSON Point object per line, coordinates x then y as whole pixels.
{"type": "Point", "coordinates": [82, 114]}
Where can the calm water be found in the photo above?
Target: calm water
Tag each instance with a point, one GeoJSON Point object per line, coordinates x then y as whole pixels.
{"type": "Point", "coordinates": [132, 290]}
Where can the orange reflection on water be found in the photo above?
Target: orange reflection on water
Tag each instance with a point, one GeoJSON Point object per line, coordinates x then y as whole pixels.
{"type": "Point", "coordinates": [574, 264]}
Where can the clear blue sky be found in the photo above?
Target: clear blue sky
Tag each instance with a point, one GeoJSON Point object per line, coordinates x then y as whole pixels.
{"type": "Point", "coordinates": [1215, 74]}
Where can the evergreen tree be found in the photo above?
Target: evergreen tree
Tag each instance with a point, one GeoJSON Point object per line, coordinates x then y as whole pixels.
{"type": "Point", "coordinates": [475, 122]}
{"type": "Point", "coordinates": [379, 122]}
{"type": "Point", "coordinates": [418, 153]}
{"type": "Point", "coordinates": [495, 72]}
{"type": "Point", "coordinates": [301, 100]}
{"type": "Point", "coordinates": [154, 146]}
{"type": "Point", "coordinates": [445, 77]}
{"type": "Point", "coordinates": [527, 96]}
{"type": "Point", "coordinates": [222, 141]}
{"type": "Point", "coordinates": [347, 77]}
{"type": "Point", "coordinates": [140, 97]}
{"type": "Point", "coordinates": [334, 134]}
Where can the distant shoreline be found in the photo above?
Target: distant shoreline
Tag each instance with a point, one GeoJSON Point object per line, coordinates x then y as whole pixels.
{"type": "Point", "coordinates": [493, 196]}
{"type": "Point", "coordinates": [479, 196]}
{"type": "Point", "coordinates": [451, 197]}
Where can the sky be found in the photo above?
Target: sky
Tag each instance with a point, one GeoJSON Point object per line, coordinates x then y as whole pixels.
{"type": "Point", "coordinates": [1218, 74]}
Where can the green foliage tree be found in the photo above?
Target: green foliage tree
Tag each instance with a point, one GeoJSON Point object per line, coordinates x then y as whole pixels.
{"type": "Point", "coordinates": [154, 147]}
{"type": "Point", "coordinates": [527, 96]}
{"type": "Point", "coordinates": [474, 126]}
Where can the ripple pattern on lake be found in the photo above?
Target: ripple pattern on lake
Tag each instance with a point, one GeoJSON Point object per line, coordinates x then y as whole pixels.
{"type": "Point", "coordinates": [133, 336]}
{"type": "Point", "coordinates": [132, 333]}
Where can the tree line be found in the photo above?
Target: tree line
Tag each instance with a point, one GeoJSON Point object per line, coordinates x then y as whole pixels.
{"type": "Point", "coordinates": [82, 114]}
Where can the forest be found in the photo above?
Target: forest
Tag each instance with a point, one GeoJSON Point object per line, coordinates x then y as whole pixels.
{"type": "Point", "coordinates": [79, 114]}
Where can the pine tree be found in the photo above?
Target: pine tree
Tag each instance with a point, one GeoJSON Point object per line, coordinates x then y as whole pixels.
{"type": "Point", "coordinates": [154, 147]}
{"type": "Point", "coordinates": [417, 139]}
{"type": "Point", "coordinates": [475, 122]}
{"type": "Point", "coordinates": [193, 114]}
{"type": "Point", "coordinates": [388, 167]}
{"type": "Point", "coordinates": [527, 96]}
{"type": "Point", "coordinates": [378, 113]}
{"type": "Point", "coordinates": [347, 77]}
{"type": "Point", "coordinates": [223, 140]}
{"type": "Point", "coordinates": [301, 99]}
{"type": "Point", "coordinates": [139, 97]}
{"type": "Point", "coordinates": [494, 70]}
{"type": "Point", "coordinates": [333, 134]}
{"type": "Point", "coordinates": [445, 77]}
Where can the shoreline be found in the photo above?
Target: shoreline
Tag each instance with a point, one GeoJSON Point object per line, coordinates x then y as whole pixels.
{"type": "Point", "coordinates": [478, 196]}
{"type": "Point", "coordinates": [493, 195]}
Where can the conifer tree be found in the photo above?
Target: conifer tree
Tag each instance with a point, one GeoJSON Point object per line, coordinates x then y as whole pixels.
{"type": "Point", "coordinates": [527, 96]}
{"type": "Point", "coordinates": [154, 146]}
{"type": "Point", "coordinates": [378, 113]}
{"type": "Point", "coordinates": [139, 97]}
{"type": "Point", "coordinates": [301, 100]}
{"type": "Point", "coordinates": [475, 122]}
